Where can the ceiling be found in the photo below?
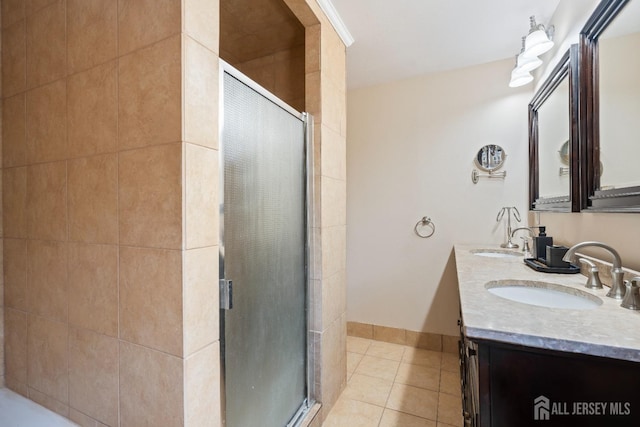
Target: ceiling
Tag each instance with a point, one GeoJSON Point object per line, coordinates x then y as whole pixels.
{"type": "Point", "coordinates": [403, 38]}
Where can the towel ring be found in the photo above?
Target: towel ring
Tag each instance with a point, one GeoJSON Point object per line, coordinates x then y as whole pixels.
{"type": "Point", "coordinates": [425, 222]}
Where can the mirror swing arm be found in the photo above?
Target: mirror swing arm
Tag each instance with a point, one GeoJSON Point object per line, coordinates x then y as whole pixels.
{"type": "Point", "coordinates": [476, 175]}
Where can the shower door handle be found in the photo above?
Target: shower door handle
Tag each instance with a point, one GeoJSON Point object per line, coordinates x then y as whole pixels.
{"type": "Point", "coordinates": [226, 294]}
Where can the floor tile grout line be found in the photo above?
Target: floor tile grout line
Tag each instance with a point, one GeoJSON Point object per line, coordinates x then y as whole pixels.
{"type": "Point", "coordinates": [355, 367]}
{"type": "Point", "coordinates": [371, 376]}
{"type": "Point", "coordinates": [394, 382]}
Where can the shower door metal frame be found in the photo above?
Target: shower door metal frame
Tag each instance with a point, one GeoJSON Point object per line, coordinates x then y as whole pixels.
{"type": "Point", "coordinates": [307, 120]}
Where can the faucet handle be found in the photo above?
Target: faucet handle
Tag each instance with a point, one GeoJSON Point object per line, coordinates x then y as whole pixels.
{"type": "Point", "coordinates": [525, 246]}
{"type": "Point", "coordinates": [593, 282]}
{"type": "Point", "coordinates": [618, 289]}
{"type": "Point", "coordinates": [631, 299]}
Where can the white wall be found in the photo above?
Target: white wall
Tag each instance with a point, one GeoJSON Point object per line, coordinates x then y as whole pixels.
{"type": "Point", "coordinates": [410, 150]}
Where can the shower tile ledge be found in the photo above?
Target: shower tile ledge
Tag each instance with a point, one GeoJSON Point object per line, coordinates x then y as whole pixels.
{"type": "Point", "coordinates": [605, 331]}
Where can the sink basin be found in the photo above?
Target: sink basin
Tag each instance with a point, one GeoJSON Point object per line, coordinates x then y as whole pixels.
{"type": "Point", "coordinates": [495, 253]}
{"type": "Point", "coordinates": [543, 294]}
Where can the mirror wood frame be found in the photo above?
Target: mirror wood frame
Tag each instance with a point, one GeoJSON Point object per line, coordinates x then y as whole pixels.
{"type": "Point", "coordinates": [567, 67]}
{"type": "Point", "coordinates": [625, 199]}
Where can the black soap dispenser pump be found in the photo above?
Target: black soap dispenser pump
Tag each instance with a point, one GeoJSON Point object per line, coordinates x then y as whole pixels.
{"type": "Point", "coordinates": [541, 242]}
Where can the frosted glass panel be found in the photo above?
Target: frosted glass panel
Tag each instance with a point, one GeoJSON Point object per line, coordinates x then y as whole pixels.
{"type": "Point", "coordinates": [264, 256]}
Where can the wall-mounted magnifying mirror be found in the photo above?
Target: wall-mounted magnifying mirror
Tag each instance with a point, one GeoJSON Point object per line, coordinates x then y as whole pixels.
{"type": "Point", "coordinates": [490, 158]}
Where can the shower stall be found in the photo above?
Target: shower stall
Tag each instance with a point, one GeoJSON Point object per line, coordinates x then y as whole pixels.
{"type": "Point", "coordinates": [264, 255]}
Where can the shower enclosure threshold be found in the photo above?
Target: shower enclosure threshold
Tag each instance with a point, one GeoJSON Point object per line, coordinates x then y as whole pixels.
{"type": "Point", "coordinates": [18, 411]}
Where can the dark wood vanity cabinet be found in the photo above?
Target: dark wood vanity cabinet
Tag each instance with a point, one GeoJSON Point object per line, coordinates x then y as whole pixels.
{"type": "Point", "coordinates": [469, 379]}
{"type": "Point", "coordinates": [506, 385]}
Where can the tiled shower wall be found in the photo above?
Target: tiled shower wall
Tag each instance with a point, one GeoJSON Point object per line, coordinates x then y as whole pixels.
{"type": "Point", "coordinates": [325, 88]}
{"type": "Point", "coordinates": [109, 179]}
{"type": "Point", "coordinates": [281, 73]}
{"type": "Point", "coordinates": [110, 208]}
{"type": "Point", "coordinates": [332, 190]}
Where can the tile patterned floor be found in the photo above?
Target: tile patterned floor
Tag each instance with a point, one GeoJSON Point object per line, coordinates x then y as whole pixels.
{"type": "Point", "coordinates": [391, 385]}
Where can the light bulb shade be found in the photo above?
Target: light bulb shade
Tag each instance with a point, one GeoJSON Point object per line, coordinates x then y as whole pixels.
{"type": "Point", "coordinates": [520, 78]}
{"type": "Point", "coordinates": [536, 43]}
{"type": "Point", "coordinates": [527, 64]}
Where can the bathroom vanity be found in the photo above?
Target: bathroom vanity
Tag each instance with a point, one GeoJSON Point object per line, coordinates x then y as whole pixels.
{"type": "Point", "coordinates": [525, 364]}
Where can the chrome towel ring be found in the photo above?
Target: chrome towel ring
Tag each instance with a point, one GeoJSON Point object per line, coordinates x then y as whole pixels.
{"type": "Point", "coordinates": [425, 222]}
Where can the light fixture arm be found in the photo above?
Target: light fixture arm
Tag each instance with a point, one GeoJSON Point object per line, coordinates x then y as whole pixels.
{"type": "Point", "coordinates": [534, 26]}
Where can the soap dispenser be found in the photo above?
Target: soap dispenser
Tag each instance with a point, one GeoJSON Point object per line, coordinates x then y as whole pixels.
{"type": "Point", "coordinates": [540, 243]}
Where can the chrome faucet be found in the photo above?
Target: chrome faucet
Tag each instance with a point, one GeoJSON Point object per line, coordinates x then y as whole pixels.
{"type": "Point", "coordinates": [617, 284]}
{"type": "Point", "coordinates": [525, 244]}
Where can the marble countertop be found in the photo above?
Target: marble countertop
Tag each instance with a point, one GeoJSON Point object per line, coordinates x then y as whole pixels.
{"type": "Point", "coordinates": [608, 330]}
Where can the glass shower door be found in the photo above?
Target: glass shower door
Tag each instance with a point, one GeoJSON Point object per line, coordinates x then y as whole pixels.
{"type": "Point", "coordinates": [263, 247]}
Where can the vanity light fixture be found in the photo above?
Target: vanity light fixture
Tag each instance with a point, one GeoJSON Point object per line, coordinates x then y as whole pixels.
{"type": "Point", "coordinates": [527, 63]}
{"type": "Point", "coordinates": [520, 78]}
{"type": "Point", "coordinates": [538, 41]}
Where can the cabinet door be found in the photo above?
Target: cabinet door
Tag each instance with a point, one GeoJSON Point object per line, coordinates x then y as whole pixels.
{"type": "Point", "coordinates": [555, 389]}
{"type": "Point", "coordinates": [467, 351]}
{"type": "Point", "coordinates": [469, 370]}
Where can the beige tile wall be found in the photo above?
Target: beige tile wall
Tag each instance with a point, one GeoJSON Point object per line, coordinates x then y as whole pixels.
{"type": "Point", "coordinates": [281, 73]}
{"type": "Point", "coordinates": [200, 328]}
{"type": "Point", "coordinates": [269, 27]}
{"type": "Point", "coordinates": [423, 340]}
{"type": "Point", "coordinates": [325, 90]}
{"type": "Point", "coordinates": [109, 197]}
{"type": "Point", "coordinates": [268, 45]}
{"type": "Point", "coordinates": [109, 207]}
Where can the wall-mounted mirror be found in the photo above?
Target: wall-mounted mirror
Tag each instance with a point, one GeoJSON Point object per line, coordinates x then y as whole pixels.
{"type": "Point", "coordinates": [553, 122]}
{"type": "Point", "coordinates": [490, 158]}
{"type": "Point", "coordinates": [610, 42]}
